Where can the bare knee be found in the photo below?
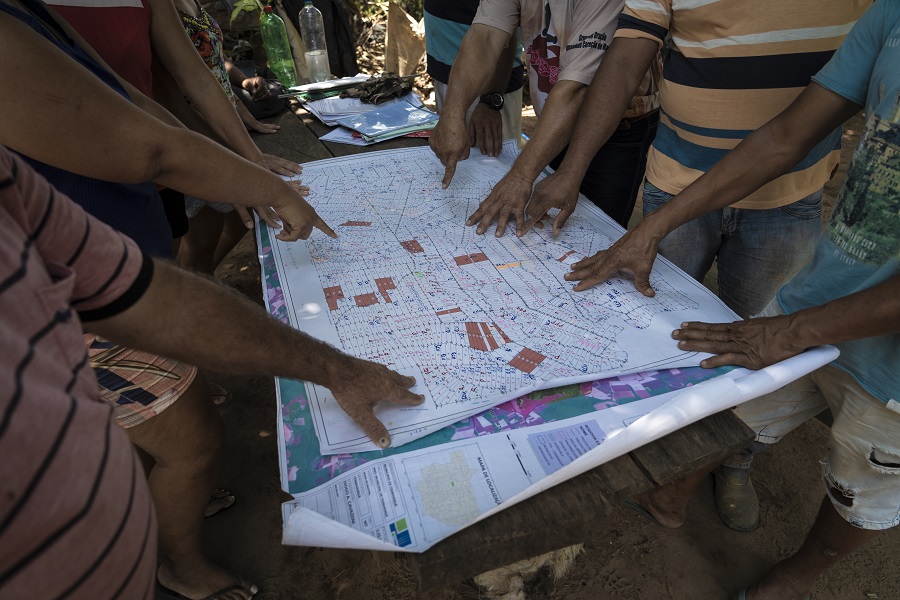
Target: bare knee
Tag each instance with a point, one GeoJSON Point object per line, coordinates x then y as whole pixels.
{"type": "Point", "coordinates": [188, 433]}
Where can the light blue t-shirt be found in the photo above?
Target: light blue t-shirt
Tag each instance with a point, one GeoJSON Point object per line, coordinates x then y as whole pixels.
{"type": "Point", "coordinates": [861, 245]}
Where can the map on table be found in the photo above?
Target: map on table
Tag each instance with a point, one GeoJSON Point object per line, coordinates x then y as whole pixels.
{"type": "Point", "coordinates": [477, 320]}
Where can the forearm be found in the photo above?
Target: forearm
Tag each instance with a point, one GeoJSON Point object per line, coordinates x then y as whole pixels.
{"type": "Point", "coordinates": [174, 49]}
{"type": "Point", "coordinates": [554, 129]}
{"type": "Point", "coordinates": [612, 88]}
{"type": "Point", "coordinates": [762, 156]}
{"type": "Point", "coordinates": [71, 120]}
{"type": "Point", "coordinates": [470, 77]}
{"type": "Point", "coordinates": [869, 313]}
{"type": "Point", "coordinates": [247, 340]}
{"type": "Point", "coordinates": [169, 95]}
{"type": "Point", "coordinates": [235, 75]}
{"type": "Point", "coordinates": [500, 78]}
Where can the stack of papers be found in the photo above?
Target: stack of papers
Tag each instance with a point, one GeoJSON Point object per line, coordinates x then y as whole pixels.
{"type": "Point", "coordinates": [329, 110]}
{"type": "Point", "coordinates": [392, 120]}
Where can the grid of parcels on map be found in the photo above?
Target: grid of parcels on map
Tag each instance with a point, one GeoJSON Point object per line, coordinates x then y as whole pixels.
{"type": "Point", "coordinates": [476, 319]}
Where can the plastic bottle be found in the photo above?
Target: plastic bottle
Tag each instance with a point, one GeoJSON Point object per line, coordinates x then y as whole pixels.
{"type": "Point", "coordinates": [278, 49]}
{"type": "Point", "coordinates": [312, 30]}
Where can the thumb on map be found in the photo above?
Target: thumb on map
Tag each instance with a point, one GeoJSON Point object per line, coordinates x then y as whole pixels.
{"type": "Point", "coordinates": [373, 428]}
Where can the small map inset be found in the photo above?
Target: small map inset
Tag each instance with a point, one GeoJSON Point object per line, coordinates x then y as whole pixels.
{"type": "Point", "coordinates": [450, 490]}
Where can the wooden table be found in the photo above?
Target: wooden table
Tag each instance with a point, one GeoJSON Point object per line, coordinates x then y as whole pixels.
{"type": "Point", "coordinates": [560, 516]}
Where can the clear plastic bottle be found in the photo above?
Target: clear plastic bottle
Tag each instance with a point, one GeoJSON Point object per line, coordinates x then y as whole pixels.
{"type": "Point", "coordinates": [312, 30]}
{"type": "Point", "coordinates": [278, 49]}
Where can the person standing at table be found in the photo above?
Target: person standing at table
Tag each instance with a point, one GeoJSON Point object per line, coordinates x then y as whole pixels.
{"type": "Point", "coordinates": [565, 40]}
{"type": "Point", "coordinates": [848, 295]}
{"type": "Point", "coordinates": [497, 114]}
{"type": "Point", "coordinates": [78, 521]}
{"type": "Point", "coordinates": [102, 142]}
{"type": "Point", "coordinates": [731, 66]}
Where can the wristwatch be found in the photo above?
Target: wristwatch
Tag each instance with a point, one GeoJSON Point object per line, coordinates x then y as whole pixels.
{"type": "Point", "coordinates": [494, 100]}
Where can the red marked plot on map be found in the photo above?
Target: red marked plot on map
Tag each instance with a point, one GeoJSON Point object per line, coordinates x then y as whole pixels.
{"type": "Point", "coordinates": [489, 336]}
{"type": "Point", "coordinates": [366, 300]}
{"type": "Point", "coordinates": [384, 284]}
{"type": "Point", "coordinates": [480, 337]}
{"type": "Point", "coordinates": [527, 360]}
{"type": "Point", "coordinates": [413, 246]}
{"type": "Point", "coordinates": [505, 337]}
{"type": "Point", "coordinates": [356, 224]}
{"type": "Point", "coordinates": [468, 259]}
{"type": "Point", "coordinates": [332, 295]}
{"type": "Point", "coordinates": [473, 333]}
{"type": "Point", "coordinates": [449, 311]}
{"type": "Point", "coordinates": [565, 256]}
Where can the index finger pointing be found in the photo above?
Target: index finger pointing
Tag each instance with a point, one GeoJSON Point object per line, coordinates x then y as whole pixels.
{"type": "Point", "coordinates": [323, 226]}
{"type": "Point", "coordinates": [449, 172]}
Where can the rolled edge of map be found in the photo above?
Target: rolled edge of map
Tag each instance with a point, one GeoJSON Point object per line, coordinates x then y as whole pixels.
{"type": "Point", "coordinates": [695, 403]}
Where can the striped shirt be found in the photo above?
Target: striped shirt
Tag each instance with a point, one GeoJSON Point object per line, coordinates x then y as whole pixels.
{"type": "Point", "coordinates": [732, 66]}
{"type": "Point", "coordinates": [76, 518]}
{"type": "Point", "coordinates": [446, 22]}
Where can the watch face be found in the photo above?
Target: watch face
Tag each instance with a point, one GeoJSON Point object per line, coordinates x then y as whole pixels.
{"type": "Point", "coordinates": [494, 100]}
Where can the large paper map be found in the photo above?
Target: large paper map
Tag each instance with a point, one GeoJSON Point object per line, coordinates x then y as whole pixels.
{"type": "Point", "coordinates": [477, 320]}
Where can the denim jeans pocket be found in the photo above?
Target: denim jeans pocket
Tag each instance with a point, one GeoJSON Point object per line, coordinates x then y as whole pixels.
{"type": "Point", "coordinates": [655, 197]}
{"type": "Point", "coordinates": [805, 208]}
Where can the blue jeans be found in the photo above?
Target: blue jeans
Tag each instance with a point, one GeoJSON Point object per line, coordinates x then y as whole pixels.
{"type": "Point", "coordinates": [758, 251]}
{"type": "Point", "coordinates": [616, 171]}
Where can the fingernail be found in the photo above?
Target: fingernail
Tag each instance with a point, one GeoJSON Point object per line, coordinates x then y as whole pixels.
{"type": "Point", "coordinates": [383, 442]}
{"type": "Point", "coordinates": [253, 589]}
{"type": "Point", "coordinates": [684, 324]}
{"type": "Point", "coordinates": [248, 224]}
{"type": "Point", "coordinates": [676, 333]}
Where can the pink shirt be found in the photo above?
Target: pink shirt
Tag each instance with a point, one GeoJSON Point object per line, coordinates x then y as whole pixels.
{"type": "Point", "coordinates": [76, 518]}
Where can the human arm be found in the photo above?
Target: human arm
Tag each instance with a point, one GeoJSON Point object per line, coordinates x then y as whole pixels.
{"type": "Point", "coordinates": [247, 340]}
{"type": "Point", "coordinates": [615, 83]}
{"type": "Point", "coordinates": [73, 121]}
{"type": "Point", "coordinates": [511, 194]}
{"type": "Point", "coordinates": [482, 45]}
{"type": "Point", "coordinates": [762, 156]}
{"type": "Point", "coordinates": [486, 124]}
{"type": "Point", "coordinates": [251, 123]}
{"type": "Point", "coordinates": [174, 49]}
{"type": "Point", "coordinates": [256, 86]}
{"type": "Point", "coordinates": [760, 342]}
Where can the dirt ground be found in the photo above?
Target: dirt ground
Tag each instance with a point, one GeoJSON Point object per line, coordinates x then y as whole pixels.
{"type": "Point", "coordinates": [631, 559]}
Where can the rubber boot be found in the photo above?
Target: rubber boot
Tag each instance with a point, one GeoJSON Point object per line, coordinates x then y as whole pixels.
{"type": "Point", "coordinates": [736, 501]}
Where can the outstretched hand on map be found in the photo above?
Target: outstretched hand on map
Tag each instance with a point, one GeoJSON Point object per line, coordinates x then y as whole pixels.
{"type": "Point", "coordinates": [364, 385]}
{"type": "Point", "coordinates": [554, 191]}
{"type": "Point", "coordinates": [507, 199]}
{"type": "Point", "coordinates": [633, 254]}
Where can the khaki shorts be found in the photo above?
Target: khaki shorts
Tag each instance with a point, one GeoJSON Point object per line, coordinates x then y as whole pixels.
{"type": "Point", "coordinates": [138, 385]}
{"type": "Point", "coordinates": [863, 464]}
